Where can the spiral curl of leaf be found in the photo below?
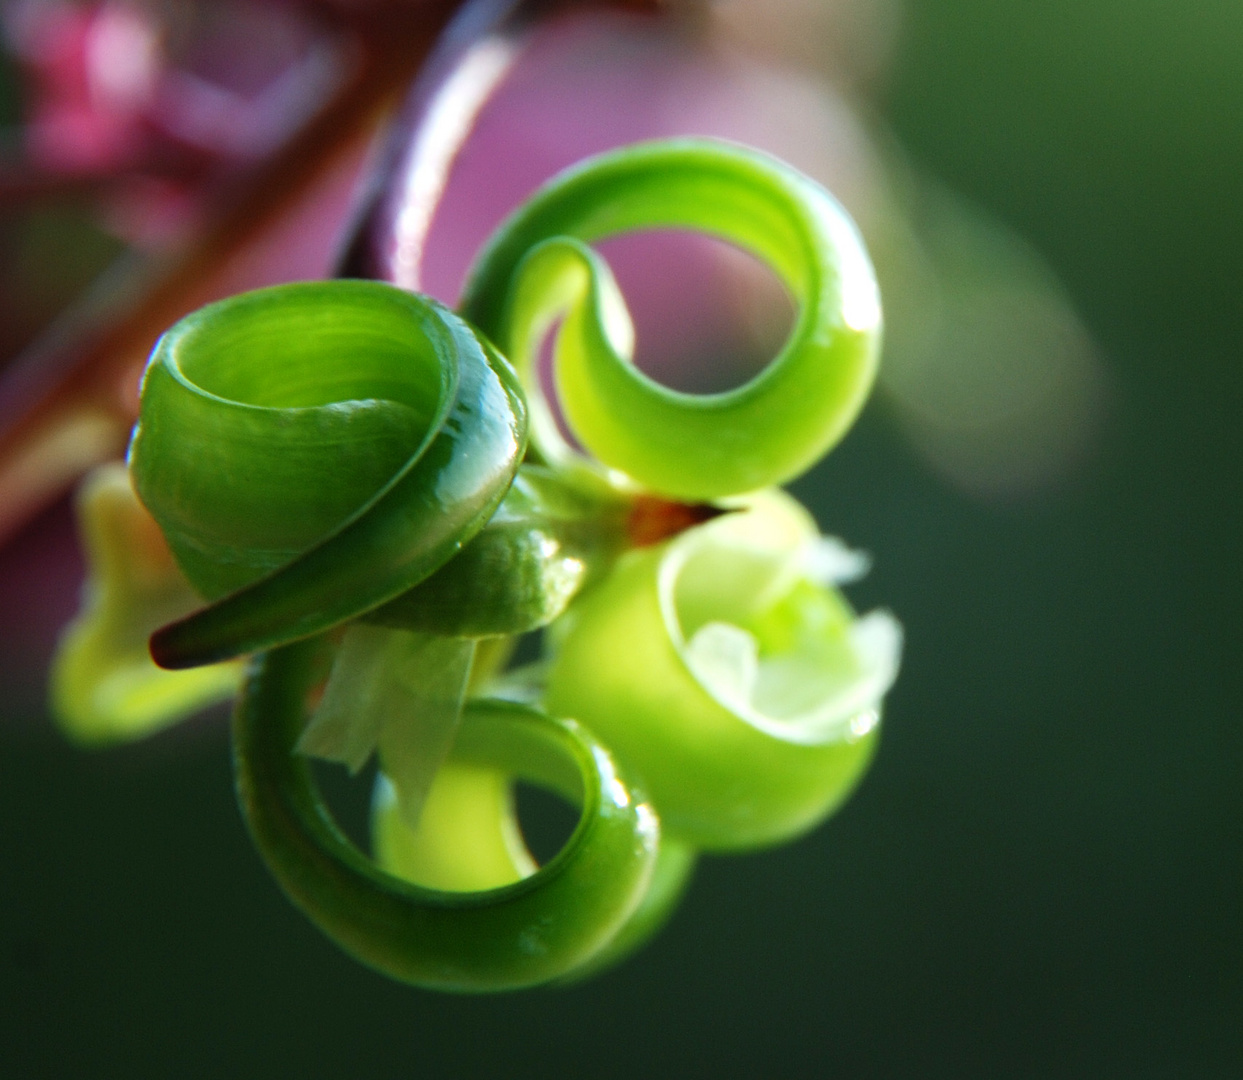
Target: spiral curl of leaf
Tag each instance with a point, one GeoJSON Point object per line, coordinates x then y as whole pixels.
{"type": "Point", "coordinates": [521, 934]}
{"type": "Point", "coordinates": [538, 268]}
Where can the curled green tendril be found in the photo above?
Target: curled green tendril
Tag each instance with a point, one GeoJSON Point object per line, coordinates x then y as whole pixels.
{"type": "Point", "coordinates": [532, 931]}
{"type": "Point", "coordinates": [538, 268]}
{"type": "Point", "coordinates": [312, 451]}
{"type": "Point", "coordinates": [469, 838]}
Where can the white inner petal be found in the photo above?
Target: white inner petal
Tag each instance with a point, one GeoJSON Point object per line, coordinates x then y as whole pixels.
{"type": "Point", "coordinates": [765, 631]}
{"type": "Point", "coordinates": [726, 659]}
{"type": "Point", "coordinates": [828, 561]}
{"type": "Point", "coordinates": [800, 686]}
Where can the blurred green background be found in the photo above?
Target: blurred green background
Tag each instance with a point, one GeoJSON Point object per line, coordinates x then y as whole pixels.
{"type": "Point", "coordinates": [1043, 874]}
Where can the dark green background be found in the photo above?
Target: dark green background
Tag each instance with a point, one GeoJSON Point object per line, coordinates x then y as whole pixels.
{"type": "Point", "coordinates": [1043, 874]}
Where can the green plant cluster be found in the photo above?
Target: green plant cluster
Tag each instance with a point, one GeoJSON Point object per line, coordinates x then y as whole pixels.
{"type": "Point", "coordinates": [375, 498]}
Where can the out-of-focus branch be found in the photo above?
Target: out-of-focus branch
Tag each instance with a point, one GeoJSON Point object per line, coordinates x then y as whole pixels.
{"type": "Point", "coordinates": [68, 402]}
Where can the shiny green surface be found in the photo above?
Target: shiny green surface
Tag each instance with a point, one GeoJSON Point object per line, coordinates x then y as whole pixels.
{"type": "Point", "coordinates": [320, 448]}
{"type": "Point", "coordinates": [504, 938]}
{"type": "Point", "coordinates": [537, 269]}
{"type": "Point", "coordinates": [671, 877]}
{"type": "Point", "coordinates": [729, 763]}
{"type": "Point", "coordinates": [1044, 870]}
{"type": "Point", "coordinates": [469, 837]}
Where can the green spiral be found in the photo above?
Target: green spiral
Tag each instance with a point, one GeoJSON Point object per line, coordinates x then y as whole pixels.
{"type": "Point", "coordinates": [521, 934]}
{"type": "Point", "coordinates": [314, 450]}
{"type": "Point", "coordinates": [537, 268]}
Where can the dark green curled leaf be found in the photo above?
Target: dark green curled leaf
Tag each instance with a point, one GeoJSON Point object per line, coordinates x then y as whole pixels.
{"type": "Point", "coordinates": [314, 450]}
{"type": "Point", "coordinates": [530, 932]}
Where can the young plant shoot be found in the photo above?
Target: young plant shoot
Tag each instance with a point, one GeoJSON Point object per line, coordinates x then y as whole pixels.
{"type": "Point", "coordinates": [373, 497]}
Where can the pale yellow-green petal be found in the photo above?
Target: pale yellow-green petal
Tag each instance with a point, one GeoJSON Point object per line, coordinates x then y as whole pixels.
{"type": "Point", "coordinates": [104, 686]}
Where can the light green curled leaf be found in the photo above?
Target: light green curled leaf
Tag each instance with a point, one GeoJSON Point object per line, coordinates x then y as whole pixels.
{"type": "Point", "coordinates": [538, 268]}
{"type": "Point", "coordinates": [521, 934]}
{"type": "Point", "coordinates": [745, 692]}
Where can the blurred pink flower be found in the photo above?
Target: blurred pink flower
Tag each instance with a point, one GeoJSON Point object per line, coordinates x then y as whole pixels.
{"type": "Point", "coordinates": [164, 100]}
